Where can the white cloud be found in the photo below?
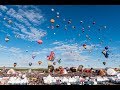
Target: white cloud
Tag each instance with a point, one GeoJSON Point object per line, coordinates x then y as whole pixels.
{"type": "Point", "coordinates": [74, 56]}
{"type": "Point", "coordinates": [59, 43]}
{"type": "Point", "coordinates": [11, 12]}
{"type": "Point", "coordinates": [0, 14]}
{"type": "Point", "coordinates": [27, 15]}
{"type": "Point", "coordinates": [27, 20]}
{"type": "Point", "coordinates": [15, 50]}
{"type": "Point", "coordinates": [3, 31]}
{"type": "Point", "coordinates": [70, 51]}
{"type": "Point", "coordinates": [3, 8]}
{"type": "Point", "coordinates": [32, 16]}
{"type": "Point", "coordinates": [32, 34]}
{"type": "Point", "coordinates": [11, 49]}
{"type": "Point", "coordinates": [3, 48]}
{"type": "Point", "coordinates": [73, 52]}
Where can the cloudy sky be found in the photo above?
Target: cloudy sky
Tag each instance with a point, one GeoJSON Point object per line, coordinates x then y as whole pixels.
{"type": "Point", "coordinates": [25, 25]}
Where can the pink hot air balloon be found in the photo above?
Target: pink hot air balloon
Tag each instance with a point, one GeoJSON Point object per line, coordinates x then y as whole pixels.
{"type": "Point", "coordinates": [40, 41]}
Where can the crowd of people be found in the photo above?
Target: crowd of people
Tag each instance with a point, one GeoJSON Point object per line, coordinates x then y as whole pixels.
{"type": "Point", "coordinates": [60, 76]}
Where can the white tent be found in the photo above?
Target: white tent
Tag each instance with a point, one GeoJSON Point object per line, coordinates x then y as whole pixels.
{"type": "Point", "coordinates": [65, 72]}
{"type": "Point", "coordinates": [48, 79]}
{"type": "Point", "coordinates": [11, 71]}
{"type": "Point", "coordinates": [118, 75]}
{"type": "Point", "coordinates": [111, 71]}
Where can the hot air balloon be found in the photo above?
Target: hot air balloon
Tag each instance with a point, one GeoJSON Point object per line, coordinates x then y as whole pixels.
{"type": "Point", "coordinates": [106, 55]}
{"type": "Point", "coordinates": [84, 45]}
{"type": "Point", "coordinates": [52, 9]}
{"type": "Point", "coordinates": [69, 21]}
{"type": "Point", "coordinates": [4, 18]}
{"type": "Point", "coordinates": [52, 27]}
{"type": "Point", "coordinates": [50, 68]}
{"type": "Point", "coordinates": [73, 27]}
{"type": "Point", "coordinates": [58, 16]}
{"type": "Point", "coordinates": [57, 25]}
{"type": "Point", "coordinates": [40, 41]}
{"type": "Point", "coordinates": [88, 26]}
{"type": "Point", "coordinates": [93, 23]}
{"type": "Point", "coordinates": [81, 21]}
{"type": "Point", "coordinates": [51, 57]}
{"type": "Point", "coordinates": [104, 63]}
{"type": "Point", "coordinates": [10, 21]}
{"type": "Point", "coordinates": [80, 68]}
{"type": "Point", "coordinates": [64, 20]}
{"type": "Point", "coordinates": [52, 20]}
{"type": "Point", "coordinates": [14, 64]}
{"type": "Point", "coordinates": [106, 47]}
{"type": "Point", "coordinates": [65, 28]}
{"type": "Point", "coordinates": [87, 36]}
{"type": "Point", "coordinates": [83, 30]}
{"type": "Point", "coordinates": [39, 62]}
{"type": "Point", "coordinates": [30, 64]}
{"type": "Point", "coordinates": [59, 61]}
{"type": "Point", "coordinates": [54, 63]}
{"type": "Point", "coordinates": [7, 39]}
{"type": "Point", "coordinates": [104, 26]}
{"type": "Point", "coordinates": [58, 13]}
{"type": "Point", "coordinates": [49, 63]}
{"type": "Point", "coordinates": [104, 52]}
{"type": "Point", "coordinates": [33, 56]}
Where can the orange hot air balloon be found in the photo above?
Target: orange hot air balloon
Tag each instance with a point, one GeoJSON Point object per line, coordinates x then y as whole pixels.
{"type": "Point", "coordinates": [15, 64]}
{"type": "Point", "coordinates": [40, 41]}
{"type": "Point", "coordinates": [52, 20]}
{"type": "Point", "coordinates": [84, 45]}
{"type": "Point", "coordinates": [39, 62]}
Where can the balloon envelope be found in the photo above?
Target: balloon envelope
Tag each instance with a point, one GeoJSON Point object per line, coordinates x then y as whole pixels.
{"type": "Point", "coordinates": [15, 64]}
{"type": "Point", "coordinates": [39, 62]}
{"type": "Point", "coordinates": [40, 41]}
{"type": "Point", "coordinates": [33, 56]}
{"type": "Point", "coordinates": [6, 39]}
{"type": "Point", "coordinates": [54, 63]}
{"type": "Point", "coordinates": [52, 20]}
{"type": "Point", "coordinates": [111, 71]}
{"type": "Point", "coordinates": [84, 45]}
{"type": "Point", "coordinates": [30, 64]}
{"type": "Point", "coordinates": [104, 63]}
{"type": "Point", "coordinates": [106, 47]}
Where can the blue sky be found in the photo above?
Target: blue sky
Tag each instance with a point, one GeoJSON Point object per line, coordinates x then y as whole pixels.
{"type": "Point", "coordinates": [31, 23]}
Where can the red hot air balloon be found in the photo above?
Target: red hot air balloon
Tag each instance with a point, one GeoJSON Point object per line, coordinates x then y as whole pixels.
{"type": "Point", "coordinates": [51, 57]}
{"type": "Point", "coordinates": [40, 41]}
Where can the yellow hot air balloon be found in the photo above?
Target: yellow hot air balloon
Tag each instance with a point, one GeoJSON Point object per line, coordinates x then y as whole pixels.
{"type": "Point", "coordinates": [52, 20]}
{"type": "Point", "coordinates": [49, 63]}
